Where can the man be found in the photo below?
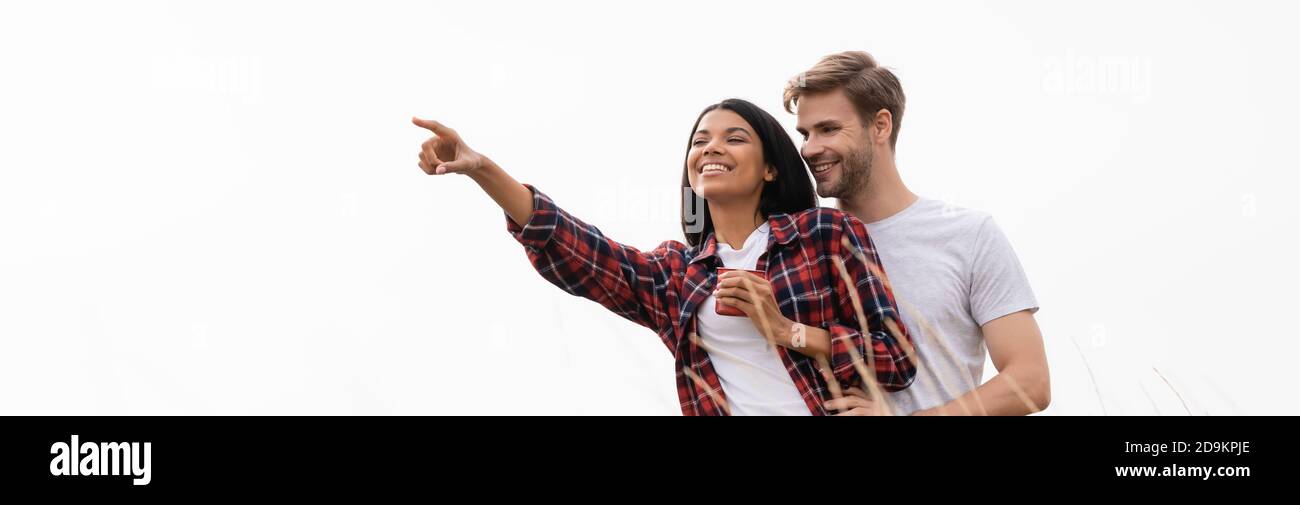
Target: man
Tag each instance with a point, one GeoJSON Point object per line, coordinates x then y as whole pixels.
{"type": "Point", "coordinates": [954, 275]}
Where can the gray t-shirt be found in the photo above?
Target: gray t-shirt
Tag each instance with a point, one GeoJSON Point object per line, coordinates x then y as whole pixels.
{"type": "Point", "coordinates": [952, 270]}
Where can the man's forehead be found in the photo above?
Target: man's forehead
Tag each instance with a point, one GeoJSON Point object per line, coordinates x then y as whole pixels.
{"type": "Point", "coordinates": [817, 111]}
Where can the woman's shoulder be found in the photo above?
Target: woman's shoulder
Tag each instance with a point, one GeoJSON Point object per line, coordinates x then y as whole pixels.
{"type": "Point", "coordinates": [676, 247]}
{"type": "Point", "coordinates": [823, 227]}
{"type": "Point", "coordinates": [821, 219]}
{"type": "Point", "coordinates": [674, 254]}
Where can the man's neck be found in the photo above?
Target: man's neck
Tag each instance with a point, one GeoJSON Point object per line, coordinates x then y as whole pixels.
{"type": "Point", "coordinates": [884, 196]}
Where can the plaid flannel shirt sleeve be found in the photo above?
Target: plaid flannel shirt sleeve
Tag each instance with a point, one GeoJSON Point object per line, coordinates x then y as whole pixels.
{"type": "Point", "coordinates": [890, 351]}
{"type": "Point", "coordinates": [579, 259]}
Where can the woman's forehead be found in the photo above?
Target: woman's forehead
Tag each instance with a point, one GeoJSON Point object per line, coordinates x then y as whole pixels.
{"type": "Point", "coordinates": [722, 121]}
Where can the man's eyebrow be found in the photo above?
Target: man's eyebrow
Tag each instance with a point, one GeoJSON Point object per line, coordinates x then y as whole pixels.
{"type": "Point", "coordinates": [820, 124]}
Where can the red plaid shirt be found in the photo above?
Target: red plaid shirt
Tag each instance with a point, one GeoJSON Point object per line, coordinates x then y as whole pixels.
{"type": "Point", "coordinates": [662, 290]}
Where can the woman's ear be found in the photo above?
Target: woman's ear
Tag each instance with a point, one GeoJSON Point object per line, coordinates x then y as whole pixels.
{"type": "Point", "coordinates": [770, 174]}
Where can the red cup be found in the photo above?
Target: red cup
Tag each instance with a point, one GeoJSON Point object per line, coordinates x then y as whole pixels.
{"type": "Point", "coordinates": [727, 310]}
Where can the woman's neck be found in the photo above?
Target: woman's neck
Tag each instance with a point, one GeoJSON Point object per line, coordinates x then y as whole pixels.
{"type": "Point", "coordinates": [733, 223]}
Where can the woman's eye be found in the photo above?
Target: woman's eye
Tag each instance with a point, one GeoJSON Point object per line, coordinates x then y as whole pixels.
{"type": "Point", "coordinates": [697, 142]}
{"type": "Point", "coordinates": [736, 139]}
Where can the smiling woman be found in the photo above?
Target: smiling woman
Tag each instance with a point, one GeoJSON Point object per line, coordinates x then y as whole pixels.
{"type": "Point", "coordinates": [736, 137]}
{"type": "Point", "coordinates": [817, 317]}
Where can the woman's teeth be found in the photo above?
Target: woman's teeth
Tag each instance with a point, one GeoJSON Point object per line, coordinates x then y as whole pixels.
{"type": "Point", "coordinates": [714, 168]}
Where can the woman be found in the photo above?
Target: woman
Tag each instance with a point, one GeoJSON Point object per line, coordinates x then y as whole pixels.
{"type": "Point", "coordinates": [758, 214]}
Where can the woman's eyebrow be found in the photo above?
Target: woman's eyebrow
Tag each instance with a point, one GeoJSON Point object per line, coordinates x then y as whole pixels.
{"type": "Point", "coordinates": [729, 130]}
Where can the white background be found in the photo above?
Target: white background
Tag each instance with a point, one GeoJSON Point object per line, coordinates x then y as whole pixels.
{"type": "Point", "coordinates": [214, 208]}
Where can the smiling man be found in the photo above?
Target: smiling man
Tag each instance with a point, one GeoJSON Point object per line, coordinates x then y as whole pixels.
{"type": "Point", "coordinates": [958, 283]}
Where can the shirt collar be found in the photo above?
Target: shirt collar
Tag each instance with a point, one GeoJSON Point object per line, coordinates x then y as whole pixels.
{"type": "Point", "coordinates": [782, 230]}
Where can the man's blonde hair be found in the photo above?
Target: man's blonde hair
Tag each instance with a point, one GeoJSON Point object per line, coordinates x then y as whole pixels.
{"type": "Point", "coordinates": [868, 85]}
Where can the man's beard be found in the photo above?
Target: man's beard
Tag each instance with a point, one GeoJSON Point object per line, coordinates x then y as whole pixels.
{"type": "Point", "coordinates": [855, 171]}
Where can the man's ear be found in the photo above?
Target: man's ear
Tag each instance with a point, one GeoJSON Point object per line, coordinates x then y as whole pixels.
{"type": "Point", "coordinates": [883, 126]}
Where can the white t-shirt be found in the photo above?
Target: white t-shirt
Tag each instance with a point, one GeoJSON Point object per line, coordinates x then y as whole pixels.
{"type": "Point", "coordinates": [952, 270]}
{"type": "Point", "coordinates": [753, 377]}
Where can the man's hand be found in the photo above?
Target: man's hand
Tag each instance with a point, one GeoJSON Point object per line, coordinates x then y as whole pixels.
{"type": "Point", "coordinates": [857, 403]}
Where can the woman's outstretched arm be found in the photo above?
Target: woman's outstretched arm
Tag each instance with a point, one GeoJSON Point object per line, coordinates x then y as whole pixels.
{"type": "Point", "coordinates": [566, 251]}
{"type": "Point", "coordinates": [446, 153]}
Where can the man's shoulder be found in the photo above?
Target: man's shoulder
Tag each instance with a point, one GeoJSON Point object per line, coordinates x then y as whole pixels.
{"type": "Point", "coordinates": [943, 218]}
{"type": "Point", "coordinates": [934, 229]}
{"type": "Point", "coordinates": [956, 214]}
